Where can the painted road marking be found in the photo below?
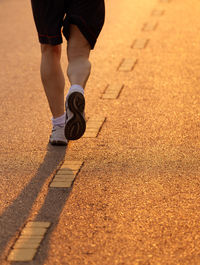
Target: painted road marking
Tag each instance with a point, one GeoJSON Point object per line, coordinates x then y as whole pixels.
{"type": "Point", "coordinates": [157, 12]}
{"type": "Point", "coordinates": [72, 167]}
{"type": "Point", "coordinates": [38, 224]}
{"type": "Point", "coordinates": [24, 244]}
{"type": "Point", "coordinates": [61, 184]}
{"type": "Point", "coordinates": [28, 242]}
{"type": "Point", "coordinates": [66, 171]}
{"type": "Point", "coordinates": [33, 231]}
{"type": "Point", "coordinates": [140, 43]}
{"type": "Point", "coordinates": [150, 26]}
{"type": "Point", "coordinates": [127, 65]}
{"type": "Point", "coordinates": [64, 177]}
{"type": "Point", "coordinates": [66, 174]}
{"type": "Point", "coordinates": [22, 254]}
{"type": "Point", "coordinates": [112, 91]}
{"type": "Point", "coordinates": [94, 126]}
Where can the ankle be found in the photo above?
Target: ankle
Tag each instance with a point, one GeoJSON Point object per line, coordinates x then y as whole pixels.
{"type": "Point", "coordinates": [58, 121]}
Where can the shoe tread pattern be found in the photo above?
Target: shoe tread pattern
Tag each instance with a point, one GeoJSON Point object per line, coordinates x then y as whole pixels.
{"type": "Point", "coordinates": [75, 127]}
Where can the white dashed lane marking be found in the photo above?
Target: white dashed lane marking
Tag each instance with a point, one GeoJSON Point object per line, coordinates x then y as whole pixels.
{"type": "Point", "coordinates": [165, 1]}
{"type": "Point", "coordinates": [127, 65]}
{"type": "Point", "coordinates": [28, 242]}
{"type": "Point", "coordinates": [157, 12]}
{"type": "Point", "coordinates": [150, 26]}
{"type": "Point", "coordinates": [66, 174]}
{"type": "Point", "coordinates": [140, 43]}
{"type": "Point", "coordinates": [94, 125]}
{"type": "Point", "coordinates": [112, 91]}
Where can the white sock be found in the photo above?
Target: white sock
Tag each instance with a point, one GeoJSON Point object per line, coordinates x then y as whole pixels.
{"type": "Point", "coordinates": [76, 87]}
{"type": "Point", "coordinates": [59, 121]}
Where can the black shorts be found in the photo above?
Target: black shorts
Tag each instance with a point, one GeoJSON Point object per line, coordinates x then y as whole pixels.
{"type": "Point", "coordinates": [54, 16]}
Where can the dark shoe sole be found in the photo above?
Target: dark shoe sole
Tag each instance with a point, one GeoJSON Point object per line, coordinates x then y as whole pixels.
{"type": "Point", "coordinates": [58, 143]}
{"type": "Point", "coordinates": [75, 127]}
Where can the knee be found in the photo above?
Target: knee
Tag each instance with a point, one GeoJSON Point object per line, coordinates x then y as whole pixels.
{"type": "Point", "coordinates": [77, 50]}
{"type": "Point", "coordinates": [52, 50]}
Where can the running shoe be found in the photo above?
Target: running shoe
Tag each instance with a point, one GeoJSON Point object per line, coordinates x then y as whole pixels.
{"type": "Point", "coordinates": [75, 118]}
{"type": "Point", "coordinates": [57, 136]}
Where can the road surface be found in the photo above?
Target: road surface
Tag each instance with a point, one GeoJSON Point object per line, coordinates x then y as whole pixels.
{"type": "Point", "coordinates": [136, 198]}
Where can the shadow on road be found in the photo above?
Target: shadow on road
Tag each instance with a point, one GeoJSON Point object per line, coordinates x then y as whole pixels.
{"type": "Point", "coordinates": [16, 214]}
{"type": "Point", "coordinates": [50, 211]}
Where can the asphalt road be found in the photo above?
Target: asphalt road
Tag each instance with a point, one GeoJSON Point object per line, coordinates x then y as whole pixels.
{"type": "Point", "coordinates": [136, 199]}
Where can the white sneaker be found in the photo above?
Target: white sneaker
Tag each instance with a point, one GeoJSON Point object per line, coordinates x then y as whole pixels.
{"type": "Point", "coordinates": [57, 136]}
{"type": "Point", "coordinates": [75, 118]}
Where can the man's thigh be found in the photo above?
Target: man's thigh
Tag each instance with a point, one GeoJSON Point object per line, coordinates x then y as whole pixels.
{"type": "Point", "coordinates": [88, 15]}
{"type": "Point", "coordinates": [48, 17]}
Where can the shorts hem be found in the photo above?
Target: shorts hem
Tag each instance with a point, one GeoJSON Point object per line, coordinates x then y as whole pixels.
{"type": "Point", "coordinates": [52, 40]}
{"type": "Point", "coordinates": [80, 23]}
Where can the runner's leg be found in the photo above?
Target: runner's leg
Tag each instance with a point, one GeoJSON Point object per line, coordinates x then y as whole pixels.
{"type": "Point", "coordinates": [78, 51]}
{"type": "Point", "coordinates": [53, 78]}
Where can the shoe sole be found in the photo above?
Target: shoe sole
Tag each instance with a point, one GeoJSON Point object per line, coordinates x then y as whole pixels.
{"type": "Point", "coordinates": [75, 127]}
{"type": "Point", "coordinates": [58, 143]}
